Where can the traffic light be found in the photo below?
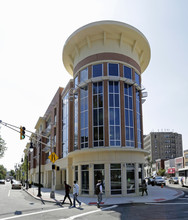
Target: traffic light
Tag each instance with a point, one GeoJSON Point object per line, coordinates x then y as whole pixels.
{"type": "Point", "coordinates": [54, 167]}
{"type": "Point", "coordinates": [22, 133]}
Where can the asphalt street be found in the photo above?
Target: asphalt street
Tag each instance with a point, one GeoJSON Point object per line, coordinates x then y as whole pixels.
{"type": "Point", "coordinates": [17, 204]}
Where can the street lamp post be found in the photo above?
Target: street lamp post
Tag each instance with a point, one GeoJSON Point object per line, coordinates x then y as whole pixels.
{"type": "Point", "coordinates": [39, 186]}
{"type": "Point", "coordinates": [27, 185]}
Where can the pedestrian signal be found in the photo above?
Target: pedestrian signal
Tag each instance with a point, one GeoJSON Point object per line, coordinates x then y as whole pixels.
{"type": "Point", "coordinates": [22, 133]}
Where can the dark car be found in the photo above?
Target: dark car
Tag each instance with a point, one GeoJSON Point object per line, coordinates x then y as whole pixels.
{"type": "Point", "coordinates": [150, 180]}
{"type": "Point", "coordinates": [2, 181]}
{"type": "Point", "coordinates": [173, 180]}
{"type": "Point", "coordinates": [158, 180]}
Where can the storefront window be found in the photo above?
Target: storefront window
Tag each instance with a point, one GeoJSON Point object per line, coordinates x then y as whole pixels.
{"type": "Point", "coordinates": [130, 168]}
{"type": "Point", "coordinates": [85, 179]}
{"type": "Point", "coordinates": [76, 173]}
{"type": "Point", "coordinates": [99, 174]}
{"type": "Point", "coordinates": [115, 175]}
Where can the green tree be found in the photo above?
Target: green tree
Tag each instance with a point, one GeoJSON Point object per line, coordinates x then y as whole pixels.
{"type": "Point", "coordinates": [161, 172]}
{"type": "Point", "coordinates": [2, 147]}
{"type": "Point", "coordinates": [3, 172]}
{"type": "Point", "coordinates": [12, 173]}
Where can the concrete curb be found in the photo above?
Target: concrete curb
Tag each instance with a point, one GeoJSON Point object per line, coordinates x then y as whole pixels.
{"type": "Point", "coordinates": [109, 201]}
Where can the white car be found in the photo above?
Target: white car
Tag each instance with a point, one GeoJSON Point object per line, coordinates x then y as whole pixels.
{"type": "Point", "coordinates": [158, 180]}
{"type": "Point", "coordinates": [16, 185]}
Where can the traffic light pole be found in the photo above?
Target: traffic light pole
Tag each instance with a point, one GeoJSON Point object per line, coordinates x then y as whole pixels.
{"type": "Point", "coordinates": [39, 143]}
{"type": "Point", "coordinates": [52, 193]}
{"type": "Point", "coordinates": [27, 184]}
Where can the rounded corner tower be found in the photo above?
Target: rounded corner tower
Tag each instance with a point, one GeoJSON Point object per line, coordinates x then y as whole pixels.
{"type": "Point", "coordinates": [106, 59]}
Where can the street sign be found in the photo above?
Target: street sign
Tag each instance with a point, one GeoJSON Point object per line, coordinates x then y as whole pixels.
{"type": "Point", "coordinates": [53, 157]}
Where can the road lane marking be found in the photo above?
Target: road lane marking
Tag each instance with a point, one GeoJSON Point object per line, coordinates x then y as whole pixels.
{"type": "Point", "coordinates": [87, 213]}
{"type": "Point", "coordinates": [9, 193]}
{"type": "Point", "coordinates": [33, 213]}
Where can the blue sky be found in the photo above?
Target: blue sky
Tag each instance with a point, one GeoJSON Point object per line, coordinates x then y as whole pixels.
{"type": "Point", "coordinates": [32, 35]}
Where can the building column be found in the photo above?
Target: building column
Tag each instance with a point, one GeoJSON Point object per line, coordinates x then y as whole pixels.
{"type": "Point", "coordinates": [107, 180]}
{"type": "Point", "coordinates": [123, 180]}
{"type": "Point", "coordinates": [136, 179]}
{"type": "Point", "coordinates": [79, 178]}
{"type": "Point", "coordinates": [58, 180]}
{"type": "Point", "coordinates": [91, 180]}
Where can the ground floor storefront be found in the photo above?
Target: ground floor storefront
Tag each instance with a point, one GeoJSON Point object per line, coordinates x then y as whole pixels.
{"type": "Point", "coordinates": [120, 170]}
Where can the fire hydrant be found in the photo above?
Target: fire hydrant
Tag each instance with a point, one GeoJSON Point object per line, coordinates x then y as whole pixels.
{"type": "Point", "coordinates": [162, 185]}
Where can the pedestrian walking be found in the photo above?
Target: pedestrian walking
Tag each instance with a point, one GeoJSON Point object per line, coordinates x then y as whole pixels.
{"type": "Point", "coordinates": [75, 194]}
{"type": "Point", "coordinates": [98, 192]}
{"type": "Point", "coordinates": [144, 187]}
{"type": "Point", "coordinates": [67, 192]}
{"type": "Point", "coordinates": [182, 180]}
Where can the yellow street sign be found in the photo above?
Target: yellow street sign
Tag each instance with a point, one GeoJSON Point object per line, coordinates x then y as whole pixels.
{"type": "Point", "coordinates": [53, 157]}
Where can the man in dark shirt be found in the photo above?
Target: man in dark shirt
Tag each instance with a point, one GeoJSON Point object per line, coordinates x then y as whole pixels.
{"type": "Point", "coordinates": [67, 191]}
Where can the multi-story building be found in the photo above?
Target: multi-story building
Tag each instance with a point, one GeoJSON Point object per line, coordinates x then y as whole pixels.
{"type": "Point", "coordinates": [101, 118]}
{"type": "Point", "coordinates": [185, 158]}
{"type": "Point", "coordinates": [163, 146]}
{"type": "Point", "coordinates": [47, 138]}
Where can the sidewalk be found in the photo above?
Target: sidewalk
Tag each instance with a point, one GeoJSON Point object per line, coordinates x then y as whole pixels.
{"type": "Point", "coordinates": [155, 194]}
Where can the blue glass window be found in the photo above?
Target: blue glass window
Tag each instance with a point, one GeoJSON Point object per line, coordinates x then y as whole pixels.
{"type": "Point", "coordinates": [84, 117]}
{"type": "Point", "coordinates": [113, 69]}
{"type": "Point", "coordinates": [137, 78]}
{"type": "Point", "coordinates": [127, 72]}
{"type": "Point", "coordinates": [65, 125]}
{"type": "Point", "coordinates": [138, 118]}
{"type": "Point", "coordinates": [97, 70]}
{"type": "Point", "coordinates": [98, 119]}
{"type": "Point", "coordinates": [76, 122]}
{"type": "Point", "coordinates": [129, 119]}
{"type": "Point", "coordinates": [83, 75]}
{"type": "Point", "coordinates": [114, 114]}
{"type": "Point", "coordinates": [76, 82]}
